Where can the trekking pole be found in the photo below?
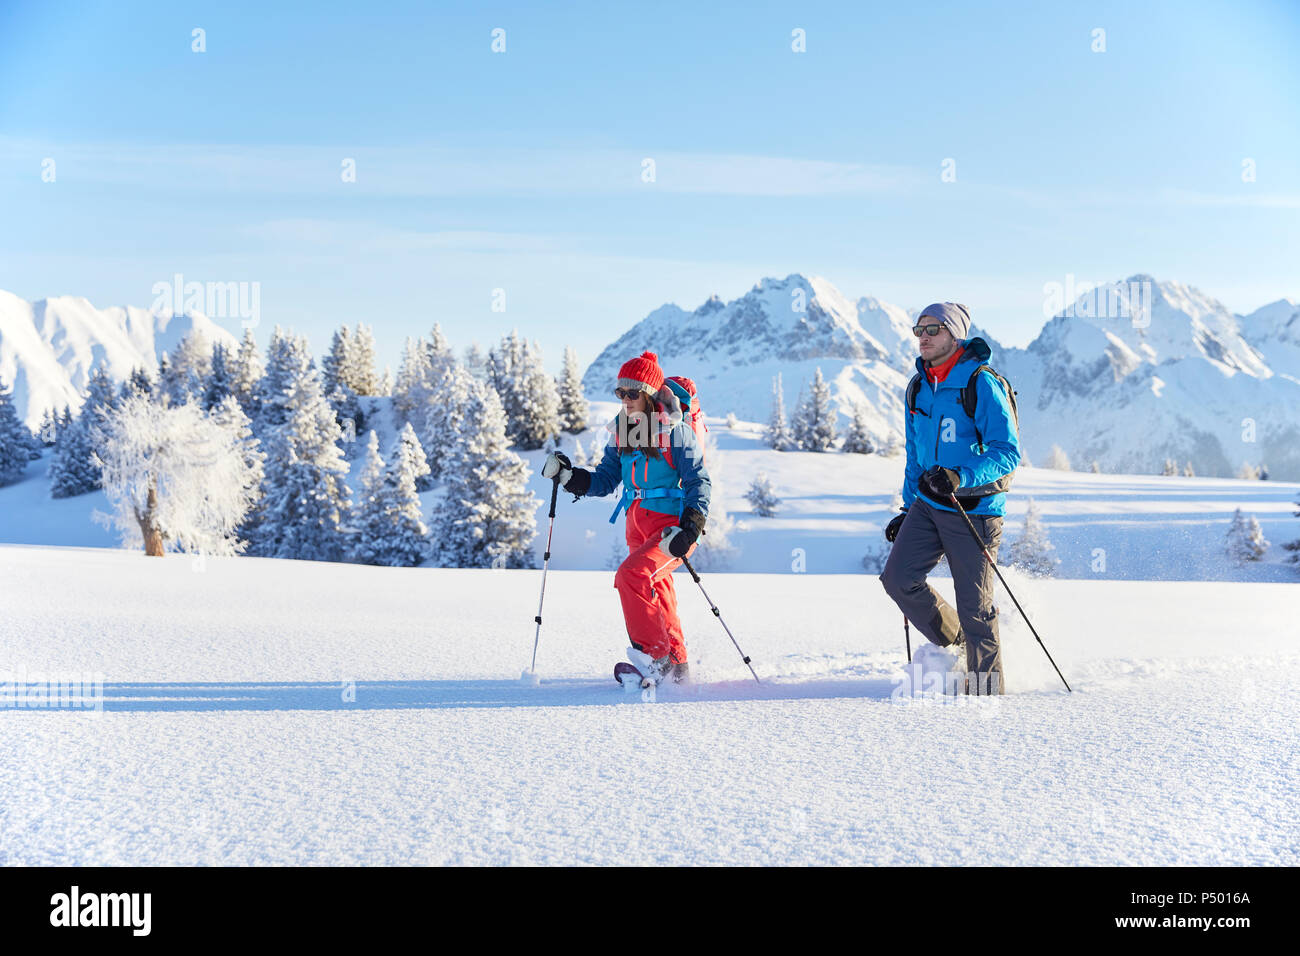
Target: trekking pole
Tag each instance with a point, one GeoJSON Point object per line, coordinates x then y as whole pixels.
{"type": "Point", "coordinates": [718, 615]}
{"type": "Point", "coordinates": [546, 561]}
{"type": "Point", "coordinates": [980, 541]}
{"type": "Point", "coordinates": [907, 637]}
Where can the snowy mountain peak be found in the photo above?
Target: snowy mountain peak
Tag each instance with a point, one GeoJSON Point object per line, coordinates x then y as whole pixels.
{"type": "Point", "coordinates": [1142, 320]}
{"type": "Point", "coordinates": [48, 347]}
{"type": "Point", "coordinates": [791, 325]}
{"type": "Point", "coordinates": [1279, 321]}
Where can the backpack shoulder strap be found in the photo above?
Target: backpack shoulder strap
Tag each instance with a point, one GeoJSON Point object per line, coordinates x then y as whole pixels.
{"type": "Point", "coordinates": [913, 387]}
{"type": "Point", "coordinates": [968, 395]}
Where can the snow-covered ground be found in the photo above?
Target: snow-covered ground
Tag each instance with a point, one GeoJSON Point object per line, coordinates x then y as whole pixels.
{"type": "Point", "coordinates": [260, 711]}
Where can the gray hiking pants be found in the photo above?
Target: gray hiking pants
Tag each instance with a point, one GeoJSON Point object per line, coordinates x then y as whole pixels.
{"type": "Point", "coordinates": [927, 533]}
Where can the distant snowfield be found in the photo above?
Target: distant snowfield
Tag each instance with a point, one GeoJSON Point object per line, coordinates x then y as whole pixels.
{"type": "Point", "coordinates": [834, 507]}
{"type": "Point", "coordinates": [284, 712]}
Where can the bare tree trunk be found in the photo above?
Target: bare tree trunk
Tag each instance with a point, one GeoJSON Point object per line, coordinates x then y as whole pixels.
{"type": "Point", "coordinates": [153, 541]}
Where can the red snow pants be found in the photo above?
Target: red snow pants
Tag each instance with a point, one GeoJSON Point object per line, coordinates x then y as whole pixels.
{"type": "Point", "coordinates": [645, 586]}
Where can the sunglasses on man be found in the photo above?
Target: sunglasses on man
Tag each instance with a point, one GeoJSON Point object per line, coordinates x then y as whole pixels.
{"type": "Point", "coordinates": [919, 330]}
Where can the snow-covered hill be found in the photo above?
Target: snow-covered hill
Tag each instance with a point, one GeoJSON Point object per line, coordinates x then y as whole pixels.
{"type": "Point", "coordinates": [48, 347]}
{"type": "Point", "coordinates": [1128, 375]}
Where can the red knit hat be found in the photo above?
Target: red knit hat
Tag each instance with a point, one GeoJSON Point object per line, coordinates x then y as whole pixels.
{"type": "Point", "coordinates": [642, 372]}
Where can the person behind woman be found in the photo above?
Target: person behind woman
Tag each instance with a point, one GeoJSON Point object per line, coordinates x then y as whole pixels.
{"type": "Point", "coordinates": [659, 461]}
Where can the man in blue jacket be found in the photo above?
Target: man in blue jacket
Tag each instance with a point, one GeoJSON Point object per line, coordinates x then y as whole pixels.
{"type": "Point", "coordinates": [950, 451]}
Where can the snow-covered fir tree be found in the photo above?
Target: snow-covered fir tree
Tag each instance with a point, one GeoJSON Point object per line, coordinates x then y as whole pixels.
{"type": "Point", "coordinates": [288, 362]}
{"type": "Point", "coordinates": [777, 434]}
{"type": "Point", "coordinates": [230, 415]}
{"type": "Point", "coordinates": [414, 381]}
{"type": "Point", "coordinates": [539, 402]}
{"type": "Point", "coordinates": [503, 368]}
{"type": "Point", "coordinates": [438, 421]}
{"type": "Point", "coordinates": [858, 440]}
{"type": "Point", "coordinates": [573, 404]}
{"type": "Point", "coordinates": [528, 395]}
{"type": "Point", "coordinates": [814, 420]}
{"type": "Point", "coordinates": [174, 477]}
{"type": "Point", "coordinates": [487, 518]}
{"type": "Point", "coordinates": [441, 356]}
{"type": "Point", "coordinates": [1095, 468]}
{"type": "Point", "coordinates": [732, 421]}
{"type": "Point", "coordinates": [247, 375]}
{"type": "Point", "coordinates": [874, 560]}
{"type": "Point", "coordinates": [1293, 547]}
{"type": "Point", "coordinates": [1032, 552]}
{"type": "Point", "coordinates": [221, 378]}
{"type": "Point", "coordinates": [762, 496]}
{"type": "Point", "coordinates": [1188, 470]}
{"type": "Point", "coordinates": [1058, 459]}
{"type": "Point", "coordinates": [333, 366]}
{"type": "Point", "coordinates": [139, 383]}
{"type": "Point", "coordinates": [349, 365]}
{"type": "Point", "coordinates": [412, 459]}
{"type": "Point", "coordinates": [476, 362]}
{"type": "Point", "coordinates": [618, 550]}
{"type": "Point", "coordinates": [48, 430]}
{"type": "Point", "coordinates": [1245, 539]}
{"type": "Point", "coordinates": [1170, 468]}
{"type": "Point", "coordinates": [387, 526]}
{"type": "Point", "coordinates": [187, 370]}
{"type": "Point", "coordinates": [343, 376]}
{"type": "Point", "coordinates": [18, 445]}
{"type": "Point", "coordinates": [305, 497]}
{"type": "Point", "coordinates": [73, 467]}
{"type": "Point", "coordinates": [362, 377]}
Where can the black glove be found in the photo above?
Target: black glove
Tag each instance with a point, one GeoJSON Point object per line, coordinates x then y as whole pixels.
{"type": "Point", "coordinates": [678, 540]}
{"type": "Point", "coordinates": [580, 483]}
{"type": "Point", "coordinates": [940, 482]}
{"type": "Point", "coordinates": [891, 529]}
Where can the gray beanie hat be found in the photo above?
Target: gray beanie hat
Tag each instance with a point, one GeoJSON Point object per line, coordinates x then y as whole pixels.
{"type": "Point", "coordinates": [954, 316]}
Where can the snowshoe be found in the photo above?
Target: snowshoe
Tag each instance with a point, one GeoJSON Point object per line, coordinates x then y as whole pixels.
{"type": "Point", "coordinates": [628, 676]}
{"type": "Point", "coordinates": [938, 669]}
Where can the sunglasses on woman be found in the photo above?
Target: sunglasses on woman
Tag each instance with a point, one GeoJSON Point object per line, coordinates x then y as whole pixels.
{"type": "Point", "coordinates": [919, 330]}
{"type": "Point", "coordinates": [627, 393]}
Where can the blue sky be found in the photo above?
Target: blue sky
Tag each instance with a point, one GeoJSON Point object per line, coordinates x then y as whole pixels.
{"type": "Point", "coordinates": [521, 170]}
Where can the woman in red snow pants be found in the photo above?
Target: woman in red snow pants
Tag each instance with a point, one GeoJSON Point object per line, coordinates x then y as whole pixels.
{"type": "Point", "coordinates": [655, 456]}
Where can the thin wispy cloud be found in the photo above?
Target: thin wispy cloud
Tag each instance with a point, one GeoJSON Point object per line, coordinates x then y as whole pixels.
{"type": "Point", "coordinates": [438, 171]}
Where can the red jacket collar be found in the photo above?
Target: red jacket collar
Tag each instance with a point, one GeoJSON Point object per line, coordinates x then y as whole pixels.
{"type": "Point", "coordinates": [938, 373]}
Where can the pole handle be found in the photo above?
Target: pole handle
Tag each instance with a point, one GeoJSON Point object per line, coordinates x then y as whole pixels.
{"type": "Point", "coordinates": [555, 492]}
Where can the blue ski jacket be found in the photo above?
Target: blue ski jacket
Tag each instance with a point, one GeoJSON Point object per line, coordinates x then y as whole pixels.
{"type": "Point", "coordinates": [667, 484]}
{"type": "Point", "coordinates": [939, 432]}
